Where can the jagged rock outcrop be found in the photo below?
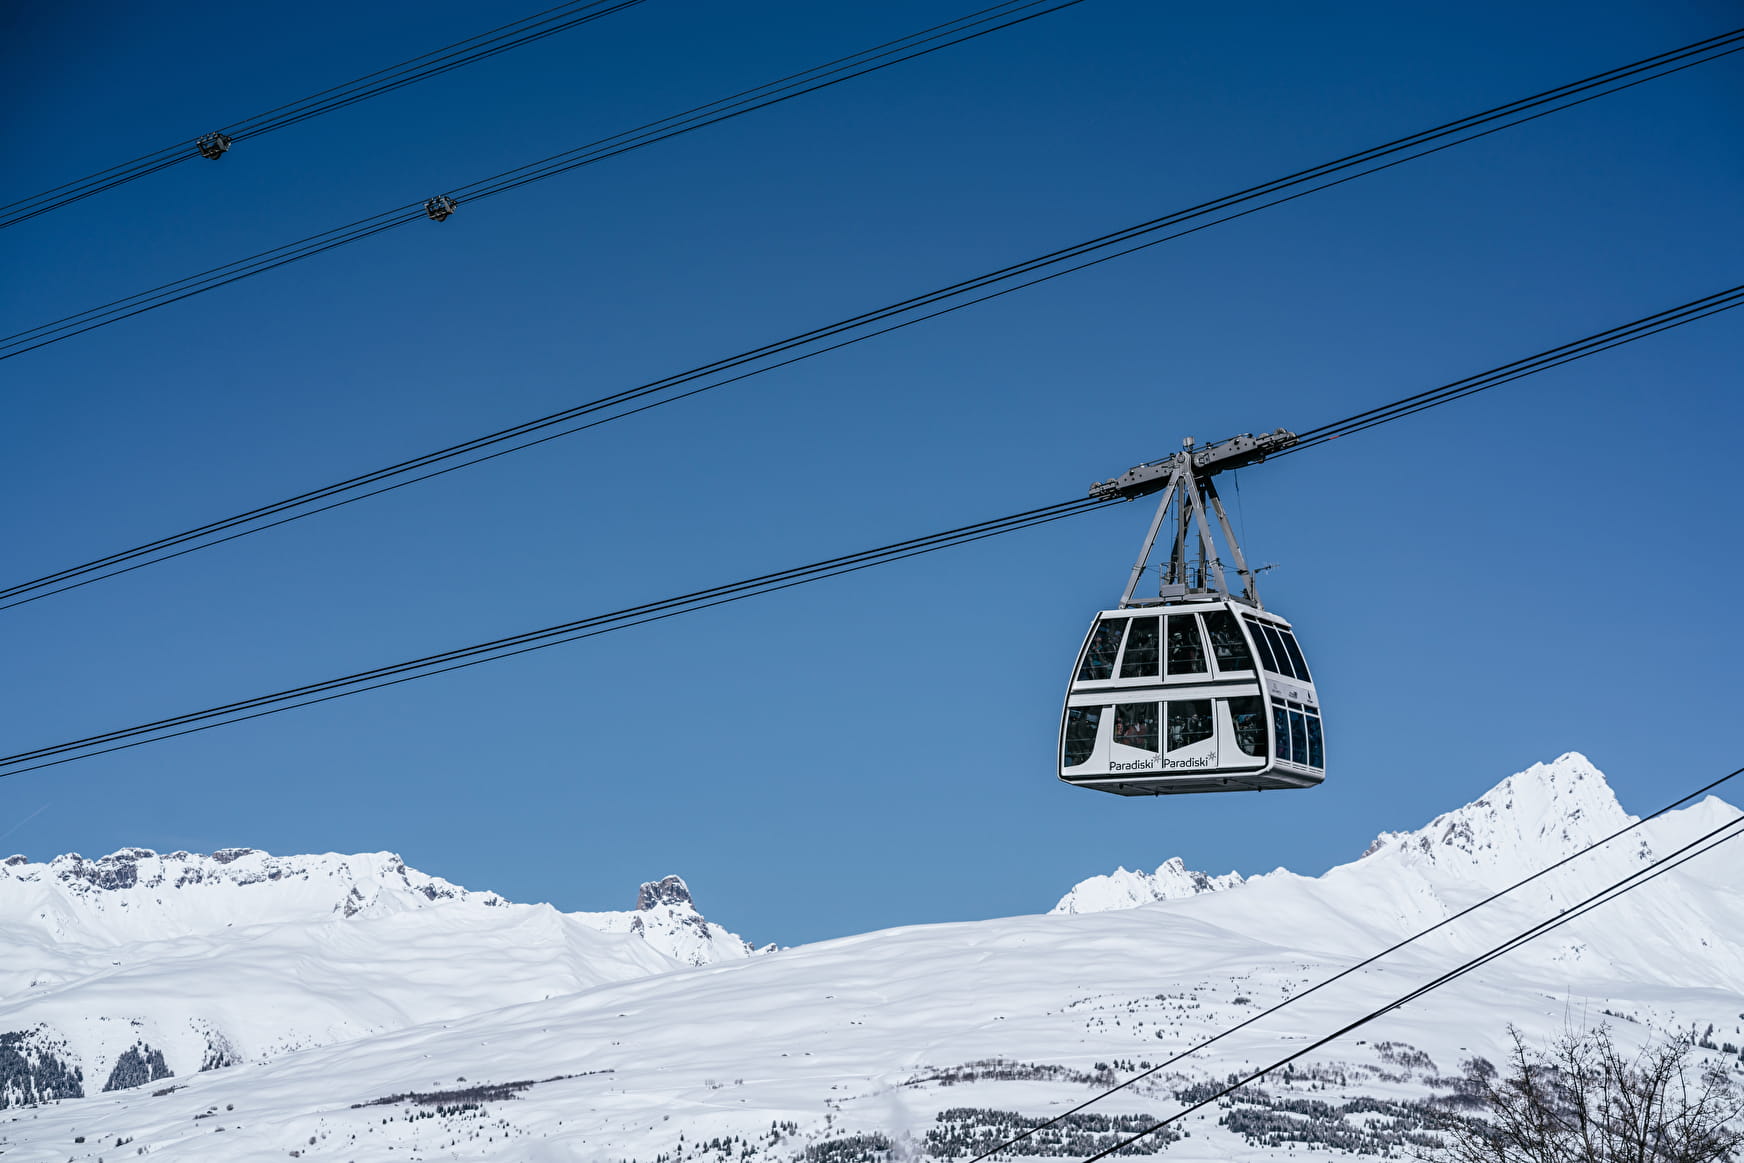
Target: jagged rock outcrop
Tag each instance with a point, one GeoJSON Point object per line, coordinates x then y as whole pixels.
{"type": "Point", "coordinates": [666, 918]}
{"type": "Point", "coordinates": [1122, 889]}
{"type": "Point", "coordinates": [137, 894]}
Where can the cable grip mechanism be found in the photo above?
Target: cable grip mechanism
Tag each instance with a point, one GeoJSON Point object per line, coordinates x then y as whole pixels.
{"type": "Point", "coordinates": [213, 145]}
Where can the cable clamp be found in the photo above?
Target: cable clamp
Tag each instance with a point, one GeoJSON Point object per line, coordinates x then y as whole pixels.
{"type": "Point", "coordinates": [213, 145]}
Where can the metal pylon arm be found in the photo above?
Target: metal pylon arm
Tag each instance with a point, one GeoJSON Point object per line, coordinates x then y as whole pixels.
{"type": "Point", "coordinates": [1141, 480]}
{"type": "Point", "coordinates": [1184, 480]}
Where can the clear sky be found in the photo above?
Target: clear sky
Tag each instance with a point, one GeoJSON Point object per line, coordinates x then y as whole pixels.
{"type": "Point", "coordinates": [1549, 567]}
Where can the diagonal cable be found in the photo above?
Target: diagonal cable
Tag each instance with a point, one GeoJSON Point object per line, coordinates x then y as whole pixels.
{"type": "Point", "coordinates": [930, 40]}
{"type": "Point", "coordinates": [515, 644]}
{"type": "Point", "coordinates": [475, 48]}
{"type": "Point", "coordinates": [400, 476]}
{"type": "Point", "coordinates": [458, 658]}
{"type": "Point", "coordinates": [1701, 845]}
{"type": "Point", "coordinates": [1351, 970]}
{"type": "Point", "coordinates": [854, 329]}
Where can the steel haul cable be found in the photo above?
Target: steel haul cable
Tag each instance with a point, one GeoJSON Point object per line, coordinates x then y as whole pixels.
{"type": "Point", "coordinates": [475, 48]}
{"type": "Point", "coordinates": [531, 640]}
{"type": "Point", "coordinates": [918, 44]}
{"type": "Point", "coordinates": [1579, 349]}
{"type": "Point", "coordinates": [115, 564]}
{"type": "Point", "coordinates": [856, 329]}
{"type": "Point", "coordinates": [477, 653]}
{"type": "Point", "coordinates": [1575, 93]}
{"type": "Point", "coordinates": [1350, 970]}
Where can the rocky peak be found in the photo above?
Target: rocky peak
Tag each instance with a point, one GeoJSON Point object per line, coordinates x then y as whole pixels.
{"type": "Point", "coordinates": [1550, 809]}
{"type": "Point", "coordinates": [136, 893]}
{"type": "Point", "coordinates": [666, 918]}
{"type": "Point", "coordinates": [1122, 889]}
{"type": "Point", "coordinates": [672, 892]}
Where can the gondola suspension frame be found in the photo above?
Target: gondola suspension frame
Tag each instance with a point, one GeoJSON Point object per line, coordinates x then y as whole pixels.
{"type": "Point", "coordinates": [1197, 688]}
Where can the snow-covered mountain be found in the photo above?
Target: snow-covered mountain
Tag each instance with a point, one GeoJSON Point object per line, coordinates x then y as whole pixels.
{"type": "Point", "coordinates": [1525, 822]}
{"type": "Point", "coordinates": [184, 962]}
{"type": "Point", "coordinates": [666, 918]}
{"type": "Point", "coordinates": [1122, 889]}
{"type": "Point", "coordinates": [923, 1041]}
{"type": "Point", "coordinates": [136, 894]}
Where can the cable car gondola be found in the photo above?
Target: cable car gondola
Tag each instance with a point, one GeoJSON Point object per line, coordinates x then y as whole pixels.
{"type": "Point", "coordinates": [1196, 689]}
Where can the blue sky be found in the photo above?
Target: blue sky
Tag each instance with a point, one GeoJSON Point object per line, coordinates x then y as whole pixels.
{"type": "Point", "coordinates": [1543, 568]}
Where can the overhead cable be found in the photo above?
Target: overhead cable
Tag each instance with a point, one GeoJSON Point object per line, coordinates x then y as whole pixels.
{"type": "Point", "coordinates": [588, 627]}
{"type": "Point", "coordinates": [212, 145]}
{"type": "Point", "coordinates": [465, 656]}
{"type": "Point", "coordinates": [1294, 998]}
{"type": "Point", "coordinates": [928, 40]}
{"type": "Point", "coordinates": [854, 329]}
{"type": "Point", "coordinates": [1579, 349]}
{"type": "Point", "coordinates": [398, 476]}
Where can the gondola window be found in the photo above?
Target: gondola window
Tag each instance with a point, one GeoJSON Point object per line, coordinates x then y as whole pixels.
{"type": "Point", "coordinates": [1140, 659]}
{"type": "Point", "coordinates": [1189, 722]}
{"type": "Point", "coordinates": [1186, 649]}
{"type": "Point", "coordinates": [1081, 724]}
{"type": "Point", "coordinates": [1227, 646]}
{"type": "Point", "coordinates": [1104, 645]}
{"type": "Point", "coordinates": [1135, 725]}
{"type": "Point", "coordinates": [1247, 715]}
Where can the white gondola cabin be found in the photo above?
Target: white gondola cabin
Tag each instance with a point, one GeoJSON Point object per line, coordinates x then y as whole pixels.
{"type": "Point", "coordinates": [1195, 689]}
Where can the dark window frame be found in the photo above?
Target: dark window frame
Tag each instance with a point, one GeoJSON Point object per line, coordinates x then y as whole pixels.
{"type": "Point", "coordinates": [1231, 624]}
{"type": "Point", "coordinates": [1156, 646]}
{"type": "Point", "coordinates": [1084, 661]}
{"type": "Point", "coordinates": [1121, 717]}
{"type": "Point", "coordinates": [1263, 645]}
{"type": "Point", "coordinates": [1068, 739]}
{"type": "Point", "coordinates": [1296, 659]}
{"type": "Point", "coordinates": [1210, 714]}
{"type": "Point", "coordinates": [1192, 620]}
{"type": "Point", "coordinates": [1256, 706]}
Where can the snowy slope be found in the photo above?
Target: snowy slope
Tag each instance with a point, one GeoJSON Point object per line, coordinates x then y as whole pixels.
{"type": "Point", "coordinates": [192, 961]}
{"type": "Point", "coordinates": [925, 1039]}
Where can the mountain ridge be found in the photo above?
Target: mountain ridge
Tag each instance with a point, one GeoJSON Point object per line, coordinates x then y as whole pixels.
{"type": "Point", "coordinates": [1554, 808]}
{"type": "Point", "coordinates": [898, 1043]}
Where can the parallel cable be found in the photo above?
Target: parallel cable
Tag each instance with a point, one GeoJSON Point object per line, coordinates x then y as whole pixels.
{"type": "Point", "coordinates": [929, 40]}
{"type": "Point", "coordinates": [668, 607]}
{"type": "Point", "coordinates": [1323, 983]}
{"type": "Point", "coordinates": [592, 626]}
{"type": "Point", "coordinates": [472, 655]}
{"type": "Point", "coordinates": [854, 329]}
{"type": "Point", "coordinates": [454, 458]}
{"type": "Point", "coordinates": [1701, 845]}
{"type": "Point", "coordinates": [464, 52]}
{"type": "Point", "coordinates": [1575, 93]}
{"type": "Point", "coordinates": [1578, 349]}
